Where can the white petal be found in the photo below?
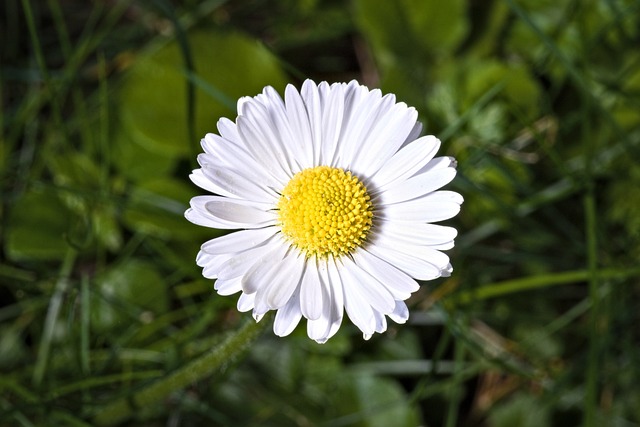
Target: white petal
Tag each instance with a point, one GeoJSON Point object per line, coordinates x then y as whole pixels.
{"type": "Point", "coordinates": [198, 178]}
{"type": "Point", "coordinates": [239, 241]}
{"type": "Point", "coordinates": [241, 102]}
{"type": "Point", "coordinates": [233, 184]}
{"type": "Point", "coordinates": [223, 150]}
{"type": "Point", "coordinates": [239, 211]}
{"type": "Point", "coordinates": [414, 134]}
{"type": "Point", "coordinates": [262, 272]}
{"type": "Point", "coordinates": [438, 163]}
{"type": "Point", "coordinates": [286, 280]}
{"type": "Point", "coordinates": [201, 215]}
{"type": "Point", "coordinates": [417, 233]}
{"type": "Point", "coordinates": [332, 116]}
{"type": "Point", "coordinates": [407, 161]}
{"type": "Point", "coordinates": [212, 265]}
{"type": "Point", "coordinates": [311, 97]}
{"type": "Point", "coordinates": [260, 306]}
{"type": "Point", "coordinates": [432, 256]}
{"type": "Point", "coordinates": [319, 328]}
{"type": "Point", "coordinates": [228, 287]}
{"type": "Point", "coordinates": [360, 109]}
{"type": "Point", "coordinates": [203, 218]}
{"type": "Point", "coordinates": [232, 153]}
{"type": "Point", "coordinates": [288, 317]}
{"type": "Point", "coordinates": [425, 209]}
{"type": "Point", "coordinates": [373, 292]}
{"type": "Point", "coordinates": [416, 186]}
{"type": "Point", "coordinates": [229, 131]}
{"type": "Point", "coordinates": [398, 283]}
{"type": "Point", "coordinates": [358, 310]}
{"type": "Point", "coordinates": [263, 127]}
{"type": "Point", "coordinates": [400, 313]}
{"type": "Point", "coordinates": [268, 156]}
{"type": "Point", "coordinates": [238, 158]}
{"type": "Point", "coordinates": [328, 324]}
{"type": "Point", "coordinates": [385, 138]}
{"type": "Point", "coordinates": [203, 258]}
{"type": "Point", "coordinates": [274, 281]}
{"type": "Point", "coordinates": [415, 267]}
{"type": "Point", "coordinates": [245, 302]}
{"type": "Point", "coordinates": [290, 142]}
{"type": "Point", "coordinates": [311, 291]}
{"type": "Point", "coordinates": [299, 122]}
{"type": "Point", "coordinates": [381, 322]}
{"type": "Point", "coordinates": [239, 264]}
{"type": "Point", "coordinates": [447, 270]}
{"type": "Point", "coordinates": [362, 131]}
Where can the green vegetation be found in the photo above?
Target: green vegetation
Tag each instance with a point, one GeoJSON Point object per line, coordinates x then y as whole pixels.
{"type": "Point", "coordinates": [106, 320]}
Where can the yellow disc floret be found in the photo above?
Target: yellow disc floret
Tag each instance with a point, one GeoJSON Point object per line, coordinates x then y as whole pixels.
{"type": "Point", "coordinates": [325, 211]}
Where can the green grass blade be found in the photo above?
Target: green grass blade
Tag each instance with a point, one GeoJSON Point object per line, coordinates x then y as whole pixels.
{"type": "Point", "coordinates": [205, 365]}
{"type": "Point", "coordinates": [55, 305]}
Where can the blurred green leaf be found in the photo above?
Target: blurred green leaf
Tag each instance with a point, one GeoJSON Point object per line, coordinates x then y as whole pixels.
{"type": "Point", "coordinates": [86, 196]}
{"type": "Point", "coordinates": [137, 162]}
{"type": "Point", "coordinates": [12, 348]}
{"type": "Point", "coordinates": [409, 38]}
{"type": "Point", "coordinates": [125, 291]}
{"type": "Point", "coordinates": [75, 169]}
{"type": "Point", "coordinates": [106, 226]}
{"type": "Point", "coordinates": [412, 28]}
{"type": "Point", "coordinates": [520, 90]}
{"type": "Point", "coordinates": [153, 97]}
{"type": "Point", "coordinates": [38, 224]}
{"type": "Point", "coordinates": [370, 401]}
{"type": "Point", "coordinates": [521, 411]}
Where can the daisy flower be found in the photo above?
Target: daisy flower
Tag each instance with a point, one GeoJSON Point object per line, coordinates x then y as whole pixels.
{"type": "Point", "coordinates": [333, 194]}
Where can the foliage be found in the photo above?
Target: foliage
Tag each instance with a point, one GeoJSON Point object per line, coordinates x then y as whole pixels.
{"type": "Point", "coordinates": [107, 320]}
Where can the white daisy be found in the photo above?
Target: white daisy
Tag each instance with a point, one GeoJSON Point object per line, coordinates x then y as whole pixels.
{"type": "Point", "coordinates": [334, 194]}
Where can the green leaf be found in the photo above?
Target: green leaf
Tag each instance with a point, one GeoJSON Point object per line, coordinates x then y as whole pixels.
{"type": "Point", "coordinates": [412, 28]}
{"type": "Point", "coordinates": [375, 402]}
{"type": "Point", "coordinates": [79, 173]}
{"type": "Point", "coordinates": [106, 227]}
{"type": "Point", "coordinates": [520, 411]}
{"type": "Point", "coordinates": [153, 98]}
{"type": "Point", "coordinates": [127, 290]}
{"type": "Point", "coordinates": [37, 225]}
{"type": "Point", "coordinates": [137, 162]}
{"type": "Point", "coordinates": [12, 348]}
{"type": "Point", "coordinates": [519, 90]}
{"type": "Point", "coordinates": [75, 169]}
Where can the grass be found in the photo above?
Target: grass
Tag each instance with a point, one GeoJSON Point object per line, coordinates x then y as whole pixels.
{"type": "Point", "coordinates": [106, 320]}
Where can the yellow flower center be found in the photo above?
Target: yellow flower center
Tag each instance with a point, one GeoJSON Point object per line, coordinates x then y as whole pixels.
{"type": "Point", "coordinates": [325, 211]}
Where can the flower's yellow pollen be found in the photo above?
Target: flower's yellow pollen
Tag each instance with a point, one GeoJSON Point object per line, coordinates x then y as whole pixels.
{"type": "Point", "coordinates": [325, 211]}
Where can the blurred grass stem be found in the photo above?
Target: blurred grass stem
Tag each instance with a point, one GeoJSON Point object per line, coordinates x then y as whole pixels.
{"type": "Point", "coordinates": [214, 360]}
{"type": "Point", "coordinates": [591, 399]}
{"type": "Point", "coordinates": [55, 304]}
{"type": "Point", "coordinates": [42, 65]}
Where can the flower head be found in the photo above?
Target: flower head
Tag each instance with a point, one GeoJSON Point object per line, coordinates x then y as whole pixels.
{"type": "Point", "coordinates": [334, 194]}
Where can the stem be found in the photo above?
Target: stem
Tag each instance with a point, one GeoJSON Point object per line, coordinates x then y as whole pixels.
{"type": "Point", "coordinates": [591, 398]}
{"type": "Point", "coordinates": [205, 365]}
{"type": "Point", "coordinates": [456, 395]}
{"type": "Point", "coordinates": [542, 281]}
{"type": "Point", "coordinates": [55, 305]}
